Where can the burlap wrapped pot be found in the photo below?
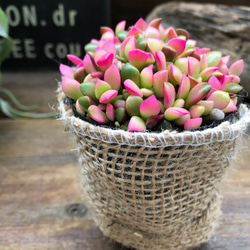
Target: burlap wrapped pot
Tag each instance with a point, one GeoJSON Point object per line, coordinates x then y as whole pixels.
{"type": "Point", "coordinates": [154, 190]}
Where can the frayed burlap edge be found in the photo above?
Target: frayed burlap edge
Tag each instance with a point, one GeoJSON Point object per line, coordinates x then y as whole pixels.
{"type": "Point", "coordinates": [225, 131]}
{"type": "Point", "coordinates": [154, 190]}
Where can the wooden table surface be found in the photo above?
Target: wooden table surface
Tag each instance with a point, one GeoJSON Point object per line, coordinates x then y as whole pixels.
{"type": "Point", "coordinates": [40, 204]}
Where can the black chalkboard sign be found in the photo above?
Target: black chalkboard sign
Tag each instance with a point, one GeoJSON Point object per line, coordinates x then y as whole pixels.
{"type": "Point", "coordinates": [44, 32]}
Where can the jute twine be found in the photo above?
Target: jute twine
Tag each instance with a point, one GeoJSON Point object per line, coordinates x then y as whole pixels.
{"type": "Point", "coordinates": [154, 190]}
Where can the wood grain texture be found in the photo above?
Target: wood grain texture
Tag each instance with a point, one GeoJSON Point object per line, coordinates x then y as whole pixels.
{"type": "Point", "coordinates": [39, 180]}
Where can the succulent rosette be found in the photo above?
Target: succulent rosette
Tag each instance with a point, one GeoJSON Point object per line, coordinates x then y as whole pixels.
{"type": "Point", "coordinates": [148, 77]}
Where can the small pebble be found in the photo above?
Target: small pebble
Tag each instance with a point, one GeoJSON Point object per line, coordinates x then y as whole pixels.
{"type": "Point", "coordinates": [216, 115]}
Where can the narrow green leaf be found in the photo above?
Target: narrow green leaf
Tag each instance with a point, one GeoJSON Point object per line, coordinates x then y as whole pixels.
{"type": "Point", "coordinates": [16, 102]}
{"type": "Point", "coordinates": [14, 113]}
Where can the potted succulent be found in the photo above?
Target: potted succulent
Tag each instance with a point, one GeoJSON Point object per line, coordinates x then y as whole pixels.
{"type": "Point", "coordinates": [157, 121]}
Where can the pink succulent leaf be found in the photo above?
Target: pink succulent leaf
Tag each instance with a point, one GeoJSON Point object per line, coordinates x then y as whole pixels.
{"type": "Point", "coordinates": [97, 74]}
{"type": "Point", "coordinates": [220, 98]}
{"type": "Point", "coordinates": [97, 114]}
{"type": "Point", "coordinates": [71, 88]}
{"type": "Point", "coordinates": [110, 112]}
{"type": "Point", "coordinates": [152, 32]}
{"type": "Point", "coordinates": [80, 65]}
{"type": "Point", "coordinates": [66, 70]}
{"type": "Point", "coordinates": [152, 121]}
{"type": "Point", "coordinates": [215, 83]}
{"type": "Point", "coordinates": [136, 124]}
{"type": "Point", "coordinates": [132, 88]}
{"type": "Point", "coordinates": [101, 87]}
{"type": "Point", "coordinates": [223, 81]}
{"type": "Point", "coordinates": [191, 42]}
{"type": "Point", "coordinates": [170, 33]}
{"type": "Point", "coordinates": [146, 92]}
{"type": "Point", "coordinates": [179, 103]}
{"type": "Point", "coordinates": [150, 107]}
{"type": "Point", "coordinates": [105, 29]}
{"type": "Point", "coordinates": [229, 78]}
{"type": "Point", "coordinates": [79, 108]}
{"type": "Point", "coordinates": [99, 53]}
{"type": "Point", "coordinates": [204, 50]}
{"type": "Point", "coordinates": [150, 59]}
{"type": "Point", "coordinates": [130, 46]}
{"type": "Point", "coordinates": [190, 124]}
{"type": "Point", "coordinates": [224, 60]}
{"type": "Point", "coordinates": [237, 68]}
{"type": "Point", "coordinates": [169, 94]}
{"type": "Point", "coordinates": [120, 27]}
{"type": "Point", "coordinates": [208, 105]}
{"type": "Point", "coordinates": [162, 31]}
{"type": "Point", "coordinates": [147, 77]}
{"type": "Point", "coordinates": [178, 44]}
{"type": "Point", "coordinates": [123, 46]}
{"type": "Point", "coordinates": [155, 45]}
{"type": "Point", "coordinates": [137, 58]}
{"type": "Point", "coordinates": [88, 64]}
{"type": "Point", "coordinates": [173, 113]}
{"type": "Point", "coordinates": [182, 64]}
{"type": "Point", "coordinates": [158, 82]}
{"type": "Point", "coordinates": [117, 40]}
{"type": "Point", "coordinates": [193, 67]}
{"type": "Point", "coordinates": [197, 93]}
{"type": "Point", "coordinates": [74, 59]}
{"type": "Point", "coordinates": [175, 75]}
{"type": "Point", "coordinates": [155, 23]}
{"type": "Point", "coordinates": [236, 79]}
{"type": "Point", "coordinates": [141, 24]}
{"type": "Point", "coordinates": [231, 107]}
{"type": "Point", "coordinates": [108, 36]}
{"type": "Point", "coordinates": [105, 61]}
{"type": "Point", "coordinates": [203, 62]}
{"type": "Point", "coordinates": [206, 73]}
{"type": "Point", "coordinates": [223, 69]}
{"type": "Point", "coordinates": [160, 60]}
{"type": "Point", "coordinates": [108, 96]}
{"type": "Point", "coordinates": [134, 31]}
{"type": "Point", "coordinates": [109, 47]}
{"type": "Point", "coordinates": [184, 87]}
{"type": "Point", "coordinates": [112, 77]}
{"type": "Point", "coordinates": [94, 41]}
{"type": "Point", "coordinates": [196, 111]}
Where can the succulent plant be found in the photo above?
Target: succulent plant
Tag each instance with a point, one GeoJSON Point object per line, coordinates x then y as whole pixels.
{"type": "Point", "coordinates": [148, 76]}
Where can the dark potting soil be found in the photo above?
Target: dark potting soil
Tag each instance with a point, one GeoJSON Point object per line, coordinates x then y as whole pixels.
{"type": "Point", "coordinates": [205, 124]}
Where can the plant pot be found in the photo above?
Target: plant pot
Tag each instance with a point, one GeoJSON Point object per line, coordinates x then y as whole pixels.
{"type": "Point", "coordinates": [154, 190]}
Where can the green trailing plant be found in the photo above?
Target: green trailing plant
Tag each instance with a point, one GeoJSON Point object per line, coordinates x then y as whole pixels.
{"type": "Point", "coordinates": [149, 77]}
{"type": "Point", "coordinates": [5, 107]}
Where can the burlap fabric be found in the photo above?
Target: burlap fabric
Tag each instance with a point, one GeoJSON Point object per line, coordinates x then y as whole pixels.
{"type": "Point", "coordinates": [154, 190]}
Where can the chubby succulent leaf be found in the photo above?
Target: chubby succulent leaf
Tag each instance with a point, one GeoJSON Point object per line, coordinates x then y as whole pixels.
{"type": "Point", "coordinates": [190, 124]}
{"type": "Point", "coordinates": [133, 104]}
{"type": "Point", "coordinates": [136, 123]}
{"type": "Point", "coordinates": [130, 72]}
{"type": "Point", "coordinates": [150, 107]}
